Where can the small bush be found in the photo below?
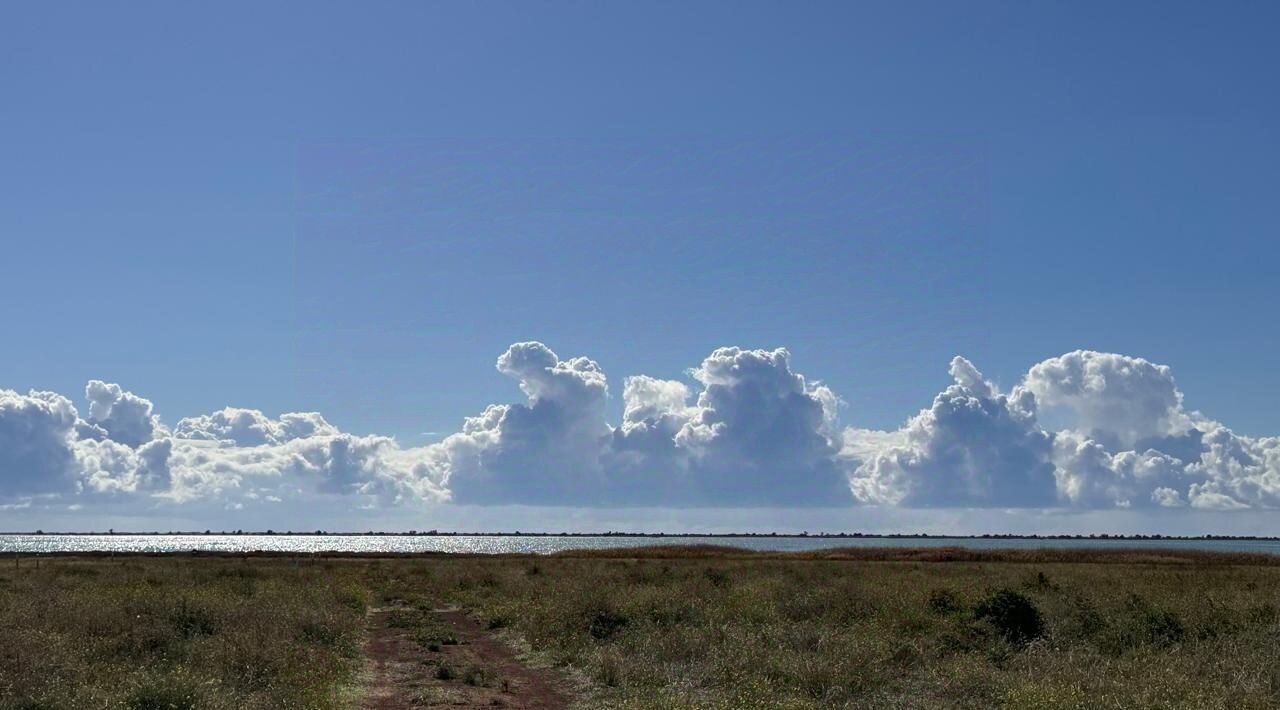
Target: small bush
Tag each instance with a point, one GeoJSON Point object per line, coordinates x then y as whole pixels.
{"type": "Point", "coordinates": [1083, 620]}
{"type": "Point", "coordinates": [1156, 626]}
{"type": "Point", "coordinates": [1013, 614]}
{"type": "Point", "coordinates": [352, 598]}
{"type": "Point", "coordinates": [945, 601]}
{"type": "Point", "coordinates": [320, 634]}
{"type": "Point", "coordinates": [605, 624]}
{"type": "Point", "coordinates": [1164, 628]}
{"type": "Point", "coordinates": [432, 638]}
{"type": "Point", "coordinates": [611, 670]}
{"type": "Point", "coordinates": [401, 619]}
{"type": "Point", "coordinates": [444, 671]}
{"type": "Point", "coordinates": [1142, 624]}
{"type": "Point", "coordinates": [476, 676]}
{"type": "Point", "coordinates": [717, 577]}
{"type": "Point", "coordinates": [498, 622]}
{"type": "Point", "coordinates": [191, 621]}
{"type": "Point", "coordinates": [1041, 582]}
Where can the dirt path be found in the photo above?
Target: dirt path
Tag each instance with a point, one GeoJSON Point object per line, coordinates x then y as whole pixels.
{"type": "Point", "coordinates": [444, 658]}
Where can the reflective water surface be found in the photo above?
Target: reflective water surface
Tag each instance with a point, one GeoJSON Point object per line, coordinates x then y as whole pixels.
{"type": "Point", "coordinates": [491, 544]}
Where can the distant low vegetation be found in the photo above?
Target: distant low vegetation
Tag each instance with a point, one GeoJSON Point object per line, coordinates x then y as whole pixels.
{"type": "Point", "coordinates": [662, 628]}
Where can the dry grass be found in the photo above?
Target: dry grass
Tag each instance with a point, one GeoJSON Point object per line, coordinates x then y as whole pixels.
{"type": "Point", "coordinates": [678, 627]}
{"type": "Point", "coordinates": [668, 627]}
{"type": "Point", "coordinates": [174, 633]}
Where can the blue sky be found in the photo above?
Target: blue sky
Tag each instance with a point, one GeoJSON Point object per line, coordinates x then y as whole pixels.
{"type": "Point", "coordinates": [354, 209]}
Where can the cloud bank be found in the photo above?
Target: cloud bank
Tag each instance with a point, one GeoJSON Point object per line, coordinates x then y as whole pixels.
{"type": "Point", "coordinates": [1085, 430]}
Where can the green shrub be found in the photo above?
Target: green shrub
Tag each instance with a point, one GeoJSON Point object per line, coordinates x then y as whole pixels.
{"type": "Point", "coordinates": [1013, 614]}
{"type": "Point", "coordinates": [945, 601]}
{"type": "Point", "coordinates": [716, 576]}
{"type": "Point", "coordinates": [475, 676]}
{"type": "Point", "coordinates": [605, 624]}
{"type": "Point", "coordinates": [444, 671]}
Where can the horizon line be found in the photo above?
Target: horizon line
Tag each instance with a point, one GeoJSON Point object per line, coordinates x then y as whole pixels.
{"type": "Point", "coordinates": [614, 533]}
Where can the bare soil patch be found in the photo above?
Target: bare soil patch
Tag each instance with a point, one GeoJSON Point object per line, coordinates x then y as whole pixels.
{"type": "Point", "coordinates": [444, 658]}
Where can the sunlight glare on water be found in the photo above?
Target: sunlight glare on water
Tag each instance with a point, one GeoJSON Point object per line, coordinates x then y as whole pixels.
{"type": "Point", "coordinates": [505, 544]}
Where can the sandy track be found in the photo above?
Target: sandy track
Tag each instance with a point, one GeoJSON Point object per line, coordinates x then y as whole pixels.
{"type": "Point", "coordinates": [484, 671]}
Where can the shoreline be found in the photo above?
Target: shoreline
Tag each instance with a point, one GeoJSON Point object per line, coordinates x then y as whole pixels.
{"type": "Point", "coordinates": [1132, 555]}
{"type": "Point", "coordinates": [659, 536]}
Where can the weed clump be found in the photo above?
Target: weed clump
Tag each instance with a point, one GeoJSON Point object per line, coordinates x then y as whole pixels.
{"type": "Point", "coordinates": [716, 576]}
{"type": "Point", "coordinates": [945, 601]}
{"type": "Point", "coordinates": [476, 676]}
{"type": "Point", "coordinates": [1143, 624]}
{"type": "Point", "coordinates": [1013, 614]}
{"type": "Point", "coordinates": [498, 622]}
{"type": "Point", "coordinates": [605, 623]}
{"type": "Point", "coordinates": [444, 671]}
{"type": "Point", "coordinates": [191, 621]}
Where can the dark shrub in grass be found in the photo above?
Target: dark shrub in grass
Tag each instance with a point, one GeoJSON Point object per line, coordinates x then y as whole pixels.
{"type": "Point", "coordinates": [605, 624]}
{"type": "Point", "coordinates": [445, 672]}
{"type": "Point", "coordinates": [1013, 614]}
{"type": "Point", "coordinates": [476, 676]}
{"type": "Point", "coordinates": [498, 622]}
{"type": "Point", "coordinates": [163, 695]}
{"type": "Point", "coordinates": [945, 601]}
{"type": "Point", "coordinates": [717, 577]}
{"type": "Point", "coordinates": [1164, 628]}
{"type": "Point", "coordinates": [191, 621]}
{"type": "Point", "coordinates": [1153, 625]}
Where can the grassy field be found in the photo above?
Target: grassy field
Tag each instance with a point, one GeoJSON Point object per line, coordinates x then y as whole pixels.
{"type": "Point", "coordinates": [160, 633]}
{"type": "Point", "coordinates": [662, 628]}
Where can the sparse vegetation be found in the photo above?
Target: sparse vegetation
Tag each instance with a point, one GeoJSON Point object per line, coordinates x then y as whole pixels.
{"type": "Point", "coordinates": [178, 632]}
{"type": "Point", "coordinates": [666, 628]}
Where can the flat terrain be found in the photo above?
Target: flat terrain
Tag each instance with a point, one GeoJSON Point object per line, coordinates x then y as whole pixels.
{"type": "Point", "coordinates": [651, 628]}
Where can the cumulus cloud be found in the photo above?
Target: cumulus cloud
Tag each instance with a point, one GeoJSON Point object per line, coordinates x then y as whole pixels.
{"type": "Point", "coordinates": [1083, 430]}
{"type": "Point", "coordinates": [546, 449]}
{"type": "Point", "coordinates": [250, 427]}
{"type": "Point", "coordinates": [122, 416]}
{"type": "Point", "coordinates": [123, 449]}
{"type": "Point", "coordinates": [753, 432]}
{"type": "Point", "coordinates": [341, 464]}
{"type": "Point", "coordinates": [973, 446]}
{"type": "Point", "coordinates": [759, 431]}
{"type": "Point", "coordinates": [744, 430]}
{"type": "Point", "coordinates": [36, 435]}
{"type": "Point", "coordinates": [1114, 397]}
{"type": "Point", "coordinates": [1124, 440]}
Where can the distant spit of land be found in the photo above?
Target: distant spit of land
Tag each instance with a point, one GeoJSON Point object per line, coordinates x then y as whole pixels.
{"type": "Point", "coordinates": [659, 535]}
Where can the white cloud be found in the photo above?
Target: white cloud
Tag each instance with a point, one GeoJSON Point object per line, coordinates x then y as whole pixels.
{"type": "Point", "coordinates": [250, 427]}
{"type": "Point", "coordinates": [760, 431]}
{"type": "Point", "coordinates": [542, 450]}
{"type": "Point", "coordinates": [122, 416]}
{"type": "Point", "coordinates": [1124, 399]}
{"type": "Point", "coordinates": [1167, 498]}
{"type": "Point", "coordinates": [1125, 440]}
{"type": "Point", "coordinates": [756, 432]}
{"type": "Point", "coordinates": [973, 447]}
{"type": "Point", "coordinates": [36, 434]}
{"type": "Point", "coordinates": [340, 464]}
{"type": "Point", "coordinates": [744, 429]}
{"type": "Point", "coordinates": [124, 450]}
